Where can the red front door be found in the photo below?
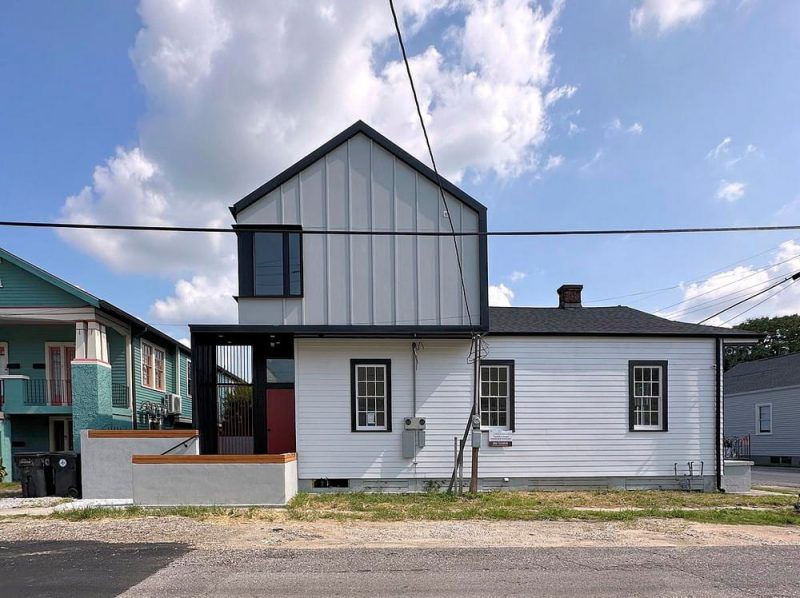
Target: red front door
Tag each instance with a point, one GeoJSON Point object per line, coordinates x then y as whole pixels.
{"type": "Point", "coordinates": [280, 420]}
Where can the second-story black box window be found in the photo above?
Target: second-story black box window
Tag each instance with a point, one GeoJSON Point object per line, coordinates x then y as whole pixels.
{"type": "Point", "coordinates": [270, 262]}
{"type": "Point", "coordinates": [277, 264]}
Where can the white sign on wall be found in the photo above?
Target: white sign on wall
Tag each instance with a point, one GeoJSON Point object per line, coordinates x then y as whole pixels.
{"type": "Point", "coordinates": [500, 437]}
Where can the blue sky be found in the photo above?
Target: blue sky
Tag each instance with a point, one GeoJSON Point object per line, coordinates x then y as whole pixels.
{"type": "Point", "coordinates": [650, 92]}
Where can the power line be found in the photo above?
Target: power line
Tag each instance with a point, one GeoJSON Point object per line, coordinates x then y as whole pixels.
{"type": "Point", "coordinates": [406, 233]}
{"type": "Point", "coordinates": [736, 294]}
{"type": "Point", "coordinates": [752, 307]}
{"type": "Point", "coordinates": [757, 271]}
{"type": "Point", "coordinates": [433, 161]}
{"type": "Point", "coordinates": [699, 278]}
{"type": "Point", "coordinates": [792, 277]}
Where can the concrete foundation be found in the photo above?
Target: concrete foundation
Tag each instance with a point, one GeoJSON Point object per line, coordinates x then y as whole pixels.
{"type": "Point", "coordinates": [106, 457]}
{"type": "Point", "coordinates": [706, 483]}
{"type": "Point", "coordinates": [211, 480]}
{"type": "Point", "coordinates": [737, 476]}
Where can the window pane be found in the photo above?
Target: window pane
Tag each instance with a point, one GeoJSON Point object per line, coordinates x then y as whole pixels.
{"type": "Point", "coordinates": [295, 271]}
{"type": "Point", "coordinates": [268, 263]}
{"type": "Point", "coordinates": [280, 371]}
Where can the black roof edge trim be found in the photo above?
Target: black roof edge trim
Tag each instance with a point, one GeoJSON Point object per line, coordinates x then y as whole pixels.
{"type": "Point", "coordinates": [357, 127]}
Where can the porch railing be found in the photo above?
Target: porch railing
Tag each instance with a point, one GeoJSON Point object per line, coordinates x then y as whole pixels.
{"type": "Point", "coordinates": [737, 447]}
{"type": "Point", "coordinates": [119, 396]}
{"type": "Point", "coordinates": [56, 393]}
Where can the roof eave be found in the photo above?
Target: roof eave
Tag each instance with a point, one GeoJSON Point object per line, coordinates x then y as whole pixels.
{"type": "Point", "coordinates": [327, 147]}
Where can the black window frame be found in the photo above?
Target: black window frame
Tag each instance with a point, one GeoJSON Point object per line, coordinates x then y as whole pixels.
{"type": "Point", "coordinates": [246, 255]}
{"type": "Point", "coordinates": [664, 365]}
{"type": "Point", "coordinates": [511, 391]}
{"type": "Point", "coordinates": [387, 363]}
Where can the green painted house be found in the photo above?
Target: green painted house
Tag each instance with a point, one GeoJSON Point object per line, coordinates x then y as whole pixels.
{"type": "Point", "coordinates": [70, 361]}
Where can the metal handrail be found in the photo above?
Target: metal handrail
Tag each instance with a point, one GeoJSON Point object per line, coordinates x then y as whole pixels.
{"type": "Point", "coordinates": [55, 393]}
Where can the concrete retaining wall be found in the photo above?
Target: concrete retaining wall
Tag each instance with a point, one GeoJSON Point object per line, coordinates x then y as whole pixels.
{"type": "Point", "coordinates": [737, 476]}
{"type": "Point", "coordinates": [106, 470]}
{"type": "Point", "coordinates": [231, 480]}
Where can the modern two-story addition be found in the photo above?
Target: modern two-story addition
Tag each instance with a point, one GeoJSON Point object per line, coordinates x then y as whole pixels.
{"type": "Point", "coordinates": [70, 361]}
{"type": "Point", "coordinates": [351, 335]}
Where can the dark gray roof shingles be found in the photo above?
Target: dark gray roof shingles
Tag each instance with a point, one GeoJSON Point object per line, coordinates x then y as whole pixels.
{"type": "Point", "coordinates": [762, 374]}
{"type": "Point", "coordinates": [596, 321]}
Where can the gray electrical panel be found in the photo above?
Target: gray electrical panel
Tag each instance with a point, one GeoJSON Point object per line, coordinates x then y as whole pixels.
{"type": "Point", "coordinates": [413, 436]}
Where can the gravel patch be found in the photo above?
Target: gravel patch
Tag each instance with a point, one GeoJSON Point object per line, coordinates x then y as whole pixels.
{"type": "Point", "coordinates": [236, 534]}
{"type": "Point", "coordinates": [31, 503]}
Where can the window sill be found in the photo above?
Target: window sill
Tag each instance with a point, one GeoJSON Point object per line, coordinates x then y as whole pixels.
{"type": "Point", "coordinates": [648, 430]}
{"type": "Point", "coordinates": [359, 431]}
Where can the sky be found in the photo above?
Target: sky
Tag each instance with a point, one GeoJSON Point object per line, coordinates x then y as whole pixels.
{"type": "Point", "coordinates": [555, 115]}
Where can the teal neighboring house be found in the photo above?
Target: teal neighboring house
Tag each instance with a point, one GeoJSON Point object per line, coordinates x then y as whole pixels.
{"type": "Point", "coordinates": [70, 361]}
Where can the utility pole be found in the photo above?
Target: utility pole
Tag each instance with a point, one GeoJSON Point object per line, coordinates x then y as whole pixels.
{"type": "Point", "coordinates": [476, 418]}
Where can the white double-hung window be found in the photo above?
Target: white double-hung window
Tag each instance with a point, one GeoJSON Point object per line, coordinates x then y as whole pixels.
{"type": "Point", "coordinates": [497, 394]}
{"type": "Point", "coordinates": [371, 395]}
{"type": "Point", "coordinates": [648, 396]}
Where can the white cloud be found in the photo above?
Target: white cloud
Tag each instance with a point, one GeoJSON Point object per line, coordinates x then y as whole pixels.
{"type": "Point", "coordinates": [238, 91]}
{"type": "Point", "coordinates": [705, 298]}
{"type": "Point", "coordinates": [573, 129]}
{"type": "Point", "coordinates": [723, 147]}
{"type": "Point", "coordinates": [557, 93]}
{"type": "Point", "coordinates": [500, 295]}
{"type": "Point", "coordinates": [730, 190]}
{"type": "Point", "coordinates": [666, 15]}
{"type": "Point", "coordinates": [199, 300]}
{"type": "Point", "coordinates": [553, 161]}
{"type": "Point", "coordinates": [617, 125]}
{"type": "Point", "coordinates": [517, 276]}
{"type": "Point", "coordinates": [635, 129]}
{"type": "Point", "coordinates": [590, 165]}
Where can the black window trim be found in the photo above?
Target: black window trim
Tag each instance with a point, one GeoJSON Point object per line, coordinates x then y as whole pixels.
{"type": "Point", "coordinates": [511, 392]}
{"type": "Point", "coordinates": [664, 394]}
{"type": "Point", "coordinates": [246, 255]}
{"type": "Point", "coordinates": [353, 411]}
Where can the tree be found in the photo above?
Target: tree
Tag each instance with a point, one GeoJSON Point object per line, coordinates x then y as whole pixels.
{"type": "Point", "coordinates": [783, 337]}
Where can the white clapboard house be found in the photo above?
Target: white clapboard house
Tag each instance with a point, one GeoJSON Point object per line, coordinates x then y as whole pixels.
{"type": "Point", "coordinates": [360, 343]}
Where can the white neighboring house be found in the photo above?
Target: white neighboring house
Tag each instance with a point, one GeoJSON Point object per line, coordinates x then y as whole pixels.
{"type": "Point", "coordinates": [377, 329]}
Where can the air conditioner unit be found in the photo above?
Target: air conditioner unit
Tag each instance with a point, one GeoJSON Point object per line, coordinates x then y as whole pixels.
{"type": "Point", "coordinates": [172, 402]}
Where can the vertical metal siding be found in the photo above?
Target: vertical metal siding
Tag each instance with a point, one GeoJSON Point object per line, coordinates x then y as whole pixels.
{"type": "Point", "coordinates": [369, 280]}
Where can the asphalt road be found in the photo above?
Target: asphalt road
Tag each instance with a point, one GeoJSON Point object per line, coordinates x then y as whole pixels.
{"type": "Point", "coordinates": [95, 569]}
{"type": "Point", "coordinates": [58, 569]}
{"type": "Point", "coordinates": [776, 476]}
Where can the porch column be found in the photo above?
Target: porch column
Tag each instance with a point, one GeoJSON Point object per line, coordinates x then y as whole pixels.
{"type": "Point", "coordinates": [91, 381]}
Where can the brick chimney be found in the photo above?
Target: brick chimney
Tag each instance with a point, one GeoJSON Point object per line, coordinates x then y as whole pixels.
{"type": "Point", "coordinates": [569, 296]}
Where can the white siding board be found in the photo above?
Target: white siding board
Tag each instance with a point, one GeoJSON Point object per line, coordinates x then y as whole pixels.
{"type": "Point", "coordinates": [577, 429]}
{"type": "Point", "coordinates": [383, 248]}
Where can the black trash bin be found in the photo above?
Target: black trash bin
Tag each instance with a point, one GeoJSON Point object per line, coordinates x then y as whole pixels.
{"type": "Point", "coordinates": [35, 474]}
{"type": "Point", "coordinates": [66, 474]}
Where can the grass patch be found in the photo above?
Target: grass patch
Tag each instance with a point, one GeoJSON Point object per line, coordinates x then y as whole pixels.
{"type": "Point", "coordinates": [536, 506]}
{"type": "Point", "coordinates": [496, 506]}
{"type": "Point", "coordinates": [779, 490]}
{"type": "Point", "coordinates": [10, 489]}
{"type": "Point", "coordinates": [136, 512]}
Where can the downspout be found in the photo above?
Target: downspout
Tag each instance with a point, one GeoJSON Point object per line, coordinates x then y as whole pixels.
{"type": "Point", "coordinates": [718, 409]}
{"type": "Point", "coordinates": [414, 379]}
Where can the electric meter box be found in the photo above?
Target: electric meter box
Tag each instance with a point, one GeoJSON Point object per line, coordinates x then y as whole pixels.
{"type": "Point", "coordinates": [413, 436]}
